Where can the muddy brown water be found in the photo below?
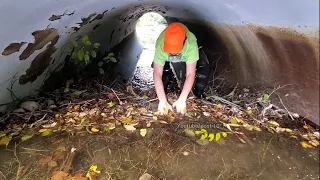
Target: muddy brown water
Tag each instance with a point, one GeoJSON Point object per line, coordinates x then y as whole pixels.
{"type": "Point", "coordinates": [165, 155]}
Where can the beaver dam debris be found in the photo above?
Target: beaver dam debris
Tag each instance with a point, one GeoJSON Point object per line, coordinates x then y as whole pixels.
{"type": "Point", "coordinates": [93, 130]}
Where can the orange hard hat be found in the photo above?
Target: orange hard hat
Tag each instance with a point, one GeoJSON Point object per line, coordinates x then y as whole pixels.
{"type": "Point", "coordinates": [174, 37]}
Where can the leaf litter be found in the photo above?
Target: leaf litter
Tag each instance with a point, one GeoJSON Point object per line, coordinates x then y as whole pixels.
{"type": "Point", "coordinates": [131, 111]}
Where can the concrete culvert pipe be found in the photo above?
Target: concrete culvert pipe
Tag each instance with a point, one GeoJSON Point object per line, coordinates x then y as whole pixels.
{"type": "Point", "coordinates": [267, 44]}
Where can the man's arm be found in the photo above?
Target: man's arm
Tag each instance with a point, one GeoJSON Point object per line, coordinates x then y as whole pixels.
{"type": "Point", "coordinates": [157, 78]}
{"type": "Point", "coordinates": [190, 77]}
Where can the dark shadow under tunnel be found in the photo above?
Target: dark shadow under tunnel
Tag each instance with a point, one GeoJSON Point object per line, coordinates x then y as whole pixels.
{"type": "Point", "coordinates": [244, 54]}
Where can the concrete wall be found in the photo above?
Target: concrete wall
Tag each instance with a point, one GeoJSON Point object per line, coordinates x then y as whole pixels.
{"type": "Point", "coordinates": [266, 42]}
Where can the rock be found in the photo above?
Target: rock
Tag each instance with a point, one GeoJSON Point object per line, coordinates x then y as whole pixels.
{"type": "Point", "coordinates": [50, 102]}
{"type": "Point", "coordinates": [52, 106]}
{"type": "Point", "coordinates": [20, 110]}
{"type": "Point", "coordinates": [30, 105]}
{"type": "Point", "coordinates": [145, 176]}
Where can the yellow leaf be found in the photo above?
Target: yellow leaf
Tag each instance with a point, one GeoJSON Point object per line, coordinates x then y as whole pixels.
{"type": "Point", "coordinates": [94, 130]}
{"type": "Point", "coordinates": [83, 119]}
{"type": "Point", "coordinates": [189, 132]}
{"type": "Point", "coordinates": [129, 127]}
{"type": "Point", "coordinates": [271, 130]}
{"type": "Point", "coordinates": [314, 142]}
{"type": "Point", "coordinates": [306, 127]}
{"type": "Point", "coordinates": [219, 106]}
{"type": "Point", "coordinates": [198, 132]}
{"type": "Point", "coordinates": [103, 115]}
{"type": "Point", "coordinates": [111, 104]}
{"type": "Point", "coordinates": [204, 136]}
{"type": "Point", "coordinates": [288, 130]}
{"type": "Point", "coordinates": [165, 111]}
{"type": "Point", "coordinates": [295, 137]}
{"type": "Point", "coordinates": [274, 123]}
{"type": "Point", "coordinates": [92, 169]}
{"type": "Point", "coordinates": [2, 134]}
{"type": "Point", "coordinates": [305, 144]}
{"type": "Point", "coordinates": [145, 97]}
{"type": "Point", "coordinates": [5, 140]}
{"type": "Point", "coordinates": [227, 126]}
{"type": "Point", "coordinates": [52, 164]}
{"type": "Point", "coordinates": [42, 130]}
{"type": "Point", "coordinates": [242, 121]}
{"type": "Point", "coordinates": [218, 136]}
{"type": "Point", "coordinates": [234, 121]}
{"type": "Point", "coordinates": [249, 127]}
{"type": "Point", "coordinates": [57, 115]}
{"type": "Point", "coordinates": [224, 134]}
{"type": "Point", "coordinates": [211, 137]}
{"type": "Point", "coordinates": [47, 132]}
{"type": "Point", "coordinates": [249, 110]}
{"type": "Point", "coordinates": [76, 107]}
{"type": "Point", "coordinates": [26, 137]}
{"type": "Point", "coordinates": [143, 132]}
{"type": "Point", "coordinates": [256, 128]}
{"type": "Point", "coordinates": [204, 131]}
{"type": "Point", "coordinates": [126, 119]}
{"type": "Point", "coordinates": [130, 109]}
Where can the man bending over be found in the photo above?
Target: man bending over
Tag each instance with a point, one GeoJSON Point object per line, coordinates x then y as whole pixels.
{"type": "Point", "coordinates": [177, 54]}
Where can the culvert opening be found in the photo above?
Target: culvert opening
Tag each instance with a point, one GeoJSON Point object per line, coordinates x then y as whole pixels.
{"type": "Point", "coordinates": [148, 28]}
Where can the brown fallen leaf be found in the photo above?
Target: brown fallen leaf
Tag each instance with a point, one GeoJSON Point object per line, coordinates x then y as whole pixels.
{"type": "Point", "coordinates": [131, 91]}
{"type": "Point", "coordinates": [57, 155]}
{"type": "Point", "coordinates": [76, 107]}
{"type": "Point", "coordinates": [20, 171]}
{"type": "Point", "coordinates": [78, 176]}
{"type": "Point", "coordinates": [111, 96]}
{"type": "Point", "coordinates": [44, 161]}
{"type": "Point", "coordinates": [59, 175]}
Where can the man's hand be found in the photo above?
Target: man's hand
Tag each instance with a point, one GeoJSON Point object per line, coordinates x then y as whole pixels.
{"type": "Point", "coordinates": [164, 107]}
{"type": "Point", "coordinates": [180, 105]}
